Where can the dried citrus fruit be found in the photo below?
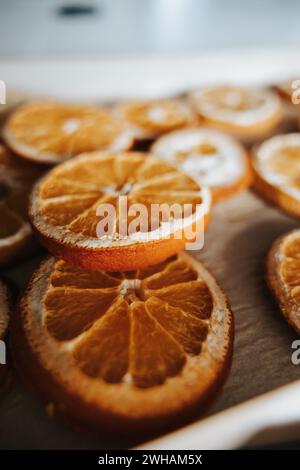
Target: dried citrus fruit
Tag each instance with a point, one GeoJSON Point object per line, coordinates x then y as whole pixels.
{"type": "Point", "coordinates": [217, 160]}
{"type": "Point", "coordinates": [149, 119]}
{"type": "Point", "coordinates": [125, 351]}
{"type": "Point", "coordinates": [286, 90]}
{"type": "Point", "coordinates": [16, 180]}
{"type": "Point", "coordinates": [71, 204]}
{"type": "Point", "coordinates": [276, 166]}
{"type": "Point", "coordinates": [49, 132]}
{"type": "Point", "coordinates": [4, 316]}
{"type": "Point", "coordinates": [283, 276]}
{"type": "Point", "coordinates": [13, 98]}
{"type": "Point", "coordinates": [289, 93]}
{"type": "Point", "coordinates": [248, 113]}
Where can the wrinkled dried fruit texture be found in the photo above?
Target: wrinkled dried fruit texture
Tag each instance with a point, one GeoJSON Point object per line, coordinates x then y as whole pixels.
{"type": "Point", "coordinates": [290, 267]}
{"type": "Point", "coordinates": [156, 116]}
{"type": "Point", "coordinates": [65, 130]}
{"type": "Point", "coordinates": [85, 197]}
{"type": "Point", "coordinates": [137, 327]}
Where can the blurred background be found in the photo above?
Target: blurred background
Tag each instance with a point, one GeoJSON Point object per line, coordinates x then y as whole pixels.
{"type": "Point", "coordinates": [89, 28]}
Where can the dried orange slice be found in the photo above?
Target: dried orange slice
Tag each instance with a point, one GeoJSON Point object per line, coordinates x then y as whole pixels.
{"type": "Point", "coordinates": [289, 92]}
{"type": "Point", "coordinates": [49, 132]}
{"type": "Point", "coordinates": [70, 204]}
{"type": "Point", "coordinates": [276, 166]}
{"type": "Point", "coordinates": [16, 180]}
{"type": "Point", "coordinates": [149, 119]}
{"type": "Point", "coordinates": [4, 317]}
{"type": "Point", "coordinates": [13, 98]}
{"type": "Point", "coordinates": [125, 351]}
{"type": "Point", "coordinates": [286, 89]}
{"type": "Point", "coordinates": [283, 276]}
{"type": "Point", "coordinates": [248, 113]}
{"type": "Point", "coordinates": [217, 160]}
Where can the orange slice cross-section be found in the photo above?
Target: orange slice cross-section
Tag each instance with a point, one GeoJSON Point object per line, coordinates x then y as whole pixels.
{"type": "Point", "coordinates": [283, 276]}
{"type": "Point", "coordinates": [276, 164]}
{"type": "Point", "coordinates": [248, 113]}
{"type": "Point", "coordinates": [50, 132]}
{"type": "Point", "coordinates": [127, 351]}
{"type": "Point", "coordinates": [217, 160]}
{"type": "Point", "coordinates": [149, 119]}
{"type": "Point", "coordinates": [78, 214]}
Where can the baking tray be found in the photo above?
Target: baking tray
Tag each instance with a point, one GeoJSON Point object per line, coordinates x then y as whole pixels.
{"type": "Point", "coordinates": [236, 242]}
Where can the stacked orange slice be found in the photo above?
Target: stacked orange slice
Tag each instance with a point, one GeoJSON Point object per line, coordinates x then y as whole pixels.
{"type": "Point", "coordinates": [132, 351]}
{"type": "Point", "coordinates": [247, 113]}
{"type": "Point", "coordinates": [4, 317]}
{"type": "Point", "coordinates": [50, 132]}
{"type": "Point", "coordinates": [216, 159]}
{"type": "Point", "coordinates": [119, 332]}
{"type": "Point", "coordinates": [283, 276]}
{"type": "Point", "coordinates": [276, 166]}
{"type": "Point", "coordinates": [13, 98]}
{"type": "Point", "coordinates": [69, 208]}
{"type": "Point", "coordinates": [289, 93]}
{"type": "Point", "coordinates": [149, 119]}
{"type": "Point", "coordinates": [288, 90]}
{"type": "Point", "coordinates": [16, 180]}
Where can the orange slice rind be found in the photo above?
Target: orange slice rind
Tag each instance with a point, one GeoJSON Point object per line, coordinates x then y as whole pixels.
{"type": "Point", "coordinates": [283, 268]}
{"type": "Point", "coordinates": [50, 132]}
{"type": "Point", "coordinates": [133, 351]}
{"type": "Point", "coordinates": [276, 164]}
{"type": "Point", "coordinates": [70, 202]}
{"type": "Point", "coordinates": [248, 113]}
{"type": "Point", "coordinates": [217, 160]}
